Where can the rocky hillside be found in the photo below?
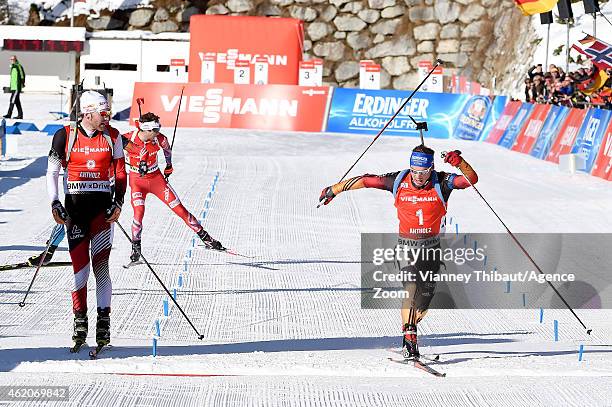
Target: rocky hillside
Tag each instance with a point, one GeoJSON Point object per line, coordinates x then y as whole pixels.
{"type": "Point", "coordinates": [481, 39]}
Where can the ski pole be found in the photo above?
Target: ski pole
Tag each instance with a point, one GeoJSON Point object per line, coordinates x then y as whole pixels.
{"type": "Point", "coordinates": [438, 62]}
{"type": "Point", "coordinates": [162, 283]}
{"type": "Point", "coordinates": [40, 263]}
{"type": "Point", "coordinates": [588, 331]}
{"type": "Point", "coordinates": [178, 112]}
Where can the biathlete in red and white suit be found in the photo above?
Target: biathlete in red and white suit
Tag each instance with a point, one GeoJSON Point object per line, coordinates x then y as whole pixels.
{"type": "Point", "coordinates": [91, 154]}
{"type": "Point", "coordinates": [420, 197]}
{"type": "Point", "coordinates": [145, 177]}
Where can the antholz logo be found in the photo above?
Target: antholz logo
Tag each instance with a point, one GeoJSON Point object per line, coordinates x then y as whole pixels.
{"type": "Point", "coordinates": [214, 103]}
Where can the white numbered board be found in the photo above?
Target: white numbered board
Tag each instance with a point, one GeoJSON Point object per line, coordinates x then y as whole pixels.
{"type": "Point", "coordinates": [207, 71]}
{"type": "Point", "coordinates": [369, 75]}
{"type": "Point", "coordinates": [435, 82]}
{"type": "Point", "coordinates": [307, 74]}
{"type": "Point", "coordinates": [261, 72]}
{"type": "Point", "coordinates": [242, 73]}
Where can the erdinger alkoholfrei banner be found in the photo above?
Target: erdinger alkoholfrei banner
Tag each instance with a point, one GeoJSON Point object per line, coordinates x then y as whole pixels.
{"type": "Point", "coordinates": [515, 126]}
{"type": "Point", "coordinates": [231, 38]}
{"type": "Point", "coordinates": [473, 118]}
{"type": "Point", "coordinates": [603, 163]}
{"type": "Point", "coordinates": [549, 131]}
{"type": "Point", "coordinates": [530, 132]}
{"type": "Point", "coordinates": [270, 107]}
{"type": "Point", "coordinates": [367, 111]}
{"type": "Point", "coordinates": [590, 135]}
{"type": "Point", "coordinates": [503, 122]}
{"type": "Point", "coordinates": [567, 135]}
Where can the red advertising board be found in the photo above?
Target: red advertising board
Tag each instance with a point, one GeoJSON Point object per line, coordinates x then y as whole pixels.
{"type": "Point", "coordinates": [603, 163]}
{"type": "Point", "coordinates": [502, 123]}
{"type": "Point", "coordinates": [266, 107]}
{"type": "Point", "coordinates": [529, 134]}
{"type": "Point", "coordinates": [566, 135]}
{"type": "Point", "coordinates": [230, 38]}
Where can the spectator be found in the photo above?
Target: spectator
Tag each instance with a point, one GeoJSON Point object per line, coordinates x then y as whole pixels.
{"type": "Point", "coordinates": [535, 70]}
{"type": "Point", "coordinates": [528, 86]}
{"type": "Point", "coordinates": [561, 88]}
{"type": "Point", "coordinates": [17, 75]}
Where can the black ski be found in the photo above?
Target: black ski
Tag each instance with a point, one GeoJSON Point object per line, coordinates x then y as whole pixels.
{"type": "Point", "coordinates": [419, 364]}
{"type": "Point", "coordinates": [26, 264]}
{"type": "Point", "coordinates": [93, 354]}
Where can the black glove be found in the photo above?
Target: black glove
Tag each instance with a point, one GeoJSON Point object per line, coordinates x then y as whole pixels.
{"type": "Point", "coordinates": [326, 195]}
{"type": "Point", "coordinates": [59, 212]}
{"type": "Point", "coordinates": [142, 168]}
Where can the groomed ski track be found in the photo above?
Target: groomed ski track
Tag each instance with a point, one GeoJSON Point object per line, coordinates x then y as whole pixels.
{"type": "Point", "coordinates": [287, 328]}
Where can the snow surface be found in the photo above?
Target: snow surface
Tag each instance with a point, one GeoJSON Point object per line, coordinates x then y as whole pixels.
{"type": "Point", "coordinates": [286, 328]}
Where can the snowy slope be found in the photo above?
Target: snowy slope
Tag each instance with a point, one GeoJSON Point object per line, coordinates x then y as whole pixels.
{"type": "Point", "coordinates": [286, 328]}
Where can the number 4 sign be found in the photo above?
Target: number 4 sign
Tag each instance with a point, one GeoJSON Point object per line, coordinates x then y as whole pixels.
{"type": "Point", "coordinates": [369, 75]}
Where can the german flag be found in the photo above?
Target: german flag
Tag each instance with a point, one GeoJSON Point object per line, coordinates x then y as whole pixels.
{"type": "Point", "coordinates": [594, 83]}
{"type": "Point", "coordinates": [531, 7]}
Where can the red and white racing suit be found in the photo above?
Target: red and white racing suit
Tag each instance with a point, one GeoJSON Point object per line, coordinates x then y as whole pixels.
{"type": "Point", "coordinates": [87, 184]}
{"type": "Point", "coordinates": [143, 155]}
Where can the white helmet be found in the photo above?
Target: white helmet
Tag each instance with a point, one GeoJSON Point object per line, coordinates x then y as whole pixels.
{"type": "Point", "coordinates": [92, 101]}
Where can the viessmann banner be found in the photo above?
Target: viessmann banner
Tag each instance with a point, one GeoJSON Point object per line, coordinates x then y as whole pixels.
{"type": "Point", "coordinates": [447, 115]}
{"type": "Point", "coordinates": [227, 39]}
{"type": "Point", "coordinates": [271, 107]}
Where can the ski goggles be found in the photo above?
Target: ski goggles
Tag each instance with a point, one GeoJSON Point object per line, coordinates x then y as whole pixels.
{"type": "Point", "coordinates": [150, 126]}
{"type": "Point", "coordinates": [421, 172]}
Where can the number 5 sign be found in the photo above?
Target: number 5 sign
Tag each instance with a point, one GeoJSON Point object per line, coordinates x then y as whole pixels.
{"type": "Point", "coordinates": [435, 82]}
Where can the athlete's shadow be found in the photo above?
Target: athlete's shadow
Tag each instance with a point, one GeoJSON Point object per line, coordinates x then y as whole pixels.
{"type": "Point", "coordinates": [14, 178]}
{"type": "Point", "coordinates": [10, 358]}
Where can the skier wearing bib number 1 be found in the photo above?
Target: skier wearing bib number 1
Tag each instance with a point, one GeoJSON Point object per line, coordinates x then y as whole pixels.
{"type": "Point", "coordinates": [420, 197]}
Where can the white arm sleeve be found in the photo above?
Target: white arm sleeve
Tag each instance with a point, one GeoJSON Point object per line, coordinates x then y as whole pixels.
{"type": "Point", "coordinates": [54, 165]}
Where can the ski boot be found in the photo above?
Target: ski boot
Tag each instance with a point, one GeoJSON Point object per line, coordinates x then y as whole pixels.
{"type": "Point", "coordinates": [103, 327]}
{"type": "Point", "coordinates": [209, 242]}
{"type": "Point", "coordinates": [410, 347]}
{"type": "Point", "coordinates": [80, 331]}
{"type": "Point", "coordinates": [136, 247]}
{"type": "Point", "coordinates": [34, 261]}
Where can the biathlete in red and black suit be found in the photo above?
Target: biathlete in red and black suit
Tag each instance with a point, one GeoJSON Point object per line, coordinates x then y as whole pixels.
{"type": "Point", "coordinates": [420, 197]}
{"type": "Point", "coordinates": [145, 177]}
{"type": "Point", "coordinates": [91, 153]}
